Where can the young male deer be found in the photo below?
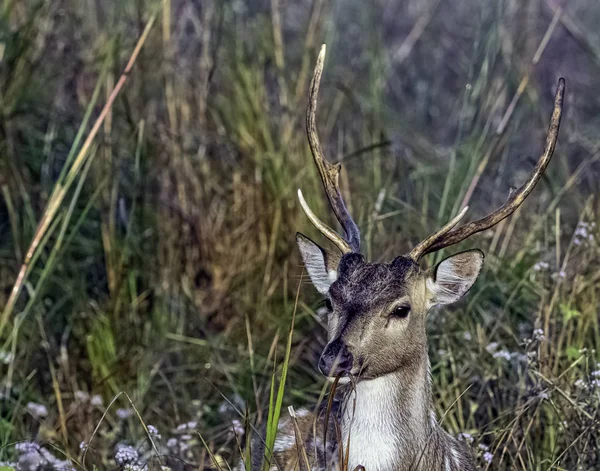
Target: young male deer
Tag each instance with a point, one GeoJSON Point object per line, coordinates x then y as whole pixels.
{"type": "Point", "coordinates": [377, 341]}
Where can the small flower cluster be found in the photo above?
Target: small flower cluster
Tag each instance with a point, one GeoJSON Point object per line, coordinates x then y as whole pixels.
{"type": "Point", "coordinates": [153, 432]}
{"type": "Point", "coordinates": [83, 397]}
{"type": "Point", "coordinates": [184, 441]}
{"type": "Point", "coordinates": [516, 358]}
{"type": "Point", "coordinates": [33, 456]}
{"type": "Point", "coordinates": [126, 455]}
{"type": "Point", "coordinates": [136, 458]}
{"type": "Point", "coordinates": [481, 447]}
{"type": "Point", "coordinates": [583, 233]}
{"type": "Point", "coordinates": [486, 456]}
{"type": "Point", "coordinates": [589, 384]}
{"type": "Point", "coordinates": [183, 444]}
{"type": "Point", "coordinates": [559, 275]}
{"type": "Point", "coordinates": [503, 354]}
{"type": "Point", "coordinates": [492, 347]}
{"type": "Point", "coordinates": [538, 334]}
{"type": "Point", "coordinates": [595, 378]}
{"type": "Point", "coordinates": [124, 414]}
{"type": "Point", "coordinates": [6, 358]}
{"type": "Point", "coordinates": [543, 395]}
{"type": "Point", "coordinates": [187, 426]}
{"type": "Point", "coordinates": [37, 411]}
{"type": "Point", "coordinates": [238, 427]}
{"type": "Point", "coordinates": [541, 266]}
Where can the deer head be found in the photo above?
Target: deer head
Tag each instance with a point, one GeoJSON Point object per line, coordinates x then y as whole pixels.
{"type": "Point", "coordinates": [378, 311]}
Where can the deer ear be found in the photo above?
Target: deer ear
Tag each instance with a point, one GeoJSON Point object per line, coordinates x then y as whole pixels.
{"type": "Point", "coordinates": [320, 264]}
{"type": "Point", "coordinates": [454, 276]}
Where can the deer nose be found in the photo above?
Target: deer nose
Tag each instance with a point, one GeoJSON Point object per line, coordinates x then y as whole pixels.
{"type": "Point", "coordinates": [335, 359]}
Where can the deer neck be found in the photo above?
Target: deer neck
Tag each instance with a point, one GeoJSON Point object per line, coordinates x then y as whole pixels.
{"type": "Point", "coordinates": [388, 419]}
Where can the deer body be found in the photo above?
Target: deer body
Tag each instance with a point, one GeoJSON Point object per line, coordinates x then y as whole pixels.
{"type": "Point", "coordinates": [377, 339]}
{"type": "Point", "coordinates": [390, 425]}
{"type": "Point", "coordinates": [387, 423]}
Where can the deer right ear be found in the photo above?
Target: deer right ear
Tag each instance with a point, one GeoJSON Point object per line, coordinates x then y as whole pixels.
{"type": "Point", "coordinates": [454, 276]}
{"type": "Point", "coordinates": [320, 264]}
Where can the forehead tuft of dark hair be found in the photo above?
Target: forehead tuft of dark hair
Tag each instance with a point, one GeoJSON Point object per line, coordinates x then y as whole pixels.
{"type": "Point", "coordinates": [361, 284]}
{"type": "Point", "coordinates": [349, 263]}
{"type": "Point", "coordinates": [401, 266]}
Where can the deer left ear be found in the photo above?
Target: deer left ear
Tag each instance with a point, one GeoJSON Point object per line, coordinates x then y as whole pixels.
{"type": "Point", "coordinates": [454, 276]}
{"type": "Point", "coordinates": [321, 264]}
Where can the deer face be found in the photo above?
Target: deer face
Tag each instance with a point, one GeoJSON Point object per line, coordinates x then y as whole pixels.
{"type": "Point", "coordinates": [378, 311]}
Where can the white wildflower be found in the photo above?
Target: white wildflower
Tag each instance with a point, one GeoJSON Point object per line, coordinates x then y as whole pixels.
{"type": "Point", "coordinates": [81, 396]}
{"type": "Point", "coordinates": [561, 274]}
{"type": "Point", "coordinates": [126, 454]}
{"type": "Point", "coordinates": [237, 427]}
{"type": "Point", "coordinates": [124, 414]}
{"type": "Point", "coordinates": [27, 447]}
{"type": "Point", "coordinates": [465, 437]}
{"type": "Point", "coordinates": [492, 347]}
{"type": "Point", "coordinates": [96, 400]}
{"type": "Point", "coordinates": [172, 443]}
{"type": "Point", "coordinates": [38, 411]}
{"type": "Point", "coordinates": [153, 432]}
{"type": "Point", "coordinates": [6, 357]}
{"type": "Point", "coordinates": [504, 354]}
{"type": "Point", "coordinates": [538, 334]}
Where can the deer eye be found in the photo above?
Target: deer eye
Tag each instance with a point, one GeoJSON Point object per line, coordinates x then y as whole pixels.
{"type": "Point", "coordinates": [400, 312]}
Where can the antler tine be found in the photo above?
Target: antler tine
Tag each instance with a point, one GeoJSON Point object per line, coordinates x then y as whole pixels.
{"type": "Point", "coordinates": [329, 172]}
{"type": "Point", "coordinates": [515, 199]}
{"type": "Point", "coordinates": [417, 252]}
{"type": "Point", "coordinates": [324, 228]}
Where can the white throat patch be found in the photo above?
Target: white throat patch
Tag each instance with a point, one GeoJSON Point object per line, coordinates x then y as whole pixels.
{"type": "Point", "coordinates": [369, 423]}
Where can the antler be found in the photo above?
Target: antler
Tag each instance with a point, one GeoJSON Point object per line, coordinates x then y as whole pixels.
{"type": "Point", "coordinates": [329, 175]}
{"type": "Point", "coordinates": [446, 237]}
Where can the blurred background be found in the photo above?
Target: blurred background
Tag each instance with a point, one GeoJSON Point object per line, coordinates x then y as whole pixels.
{"type": "Point", "coordinates": [164, 274]}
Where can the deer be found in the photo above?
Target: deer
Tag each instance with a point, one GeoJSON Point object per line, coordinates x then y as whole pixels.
{"type": "Point", "coordinates": [377, 351]}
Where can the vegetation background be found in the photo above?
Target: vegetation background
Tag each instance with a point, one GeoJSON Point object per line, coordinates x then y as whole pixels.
{"type": "Point", "coordinates": [154, 265]}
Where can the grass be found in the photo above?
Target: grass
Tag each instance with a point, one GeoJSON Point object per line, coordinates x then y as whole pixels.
{"type": "Point", "coordinates": [152, 244]}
